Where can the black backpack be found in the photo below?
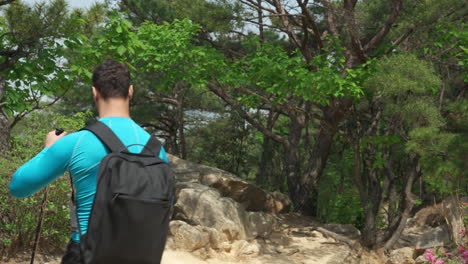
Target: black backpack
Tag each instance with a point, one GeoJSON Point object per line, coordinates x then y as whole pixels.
{"type": "Point", "coordinates": [131, 210]}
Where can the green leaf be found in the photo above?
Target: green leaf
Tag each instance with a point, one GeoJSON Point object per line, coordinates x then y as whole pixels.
{"type": "Point", "coordinates": [121, 50]}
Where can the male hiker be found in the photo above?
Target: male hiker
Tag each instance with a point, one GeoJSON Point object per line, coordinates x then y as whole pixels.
{"type": "Point", "coordinates": [80, 154]}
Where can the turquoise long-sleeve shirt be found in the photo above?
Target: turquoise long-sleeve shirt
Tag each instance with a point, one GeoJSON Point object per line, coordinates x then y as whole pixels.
{"type": "Point", "coordinates": [80, 154]}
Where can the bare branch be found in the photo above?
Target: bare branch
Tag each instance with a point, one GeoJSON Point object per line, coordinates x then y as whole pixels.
{"type": "Point", "coordinates": [224, 48]}
{"type": "Point", "coordinates": [329, 13]}
{"type": "Point", "coordinates": [260, 21]}
{"type": "Point", "coordinates": [37, 106]}
{"type": "Point", "coordinates": [400, 40]}
{"type": "Point", "coordinates": [353, 29]}
{"type": "Point", "coordinates": [221, 94]}
{"type": "Point", "coordinates": [290, 31]}
{"type": "Point", "coordinates": [311, 22]}
{"type": "Point", "coordinates": [255, 5]}
{"type": "Point", "coordinates": [6, 2]}
{"type": "Point", "coordinates": [396, 7]}
{"type": "Point", "coordinates": [263, 24]}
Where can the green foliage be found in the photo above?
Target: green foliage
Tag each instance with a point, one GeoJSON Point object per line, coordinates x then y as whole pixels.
{"type": "Point", "coordinates": [338, 197]}
{"type": "Point", "coordinates": [402, 75]}
{"type": "Point", "coordinates": [442, 157]}
{"type": "Point", "coordinates": [164, 50]}
{"type": "Point", "coordinates": [450, 45]}
{"type": "Point", "coordinates": [35, 35]}
{"type": "Point", "coordinates": [289, 75]}
{"type": "Point", "coordinates": [20, 216]}
{"type": "Point", "coordinates": [212, 16]}
{"type": "Point", "coordinates": [227, 143]}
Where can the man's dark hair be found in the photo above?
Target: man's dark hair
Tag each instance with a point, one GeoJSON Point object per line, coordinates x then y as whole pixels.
{"type": "Point", "coordinates": [112, 79]}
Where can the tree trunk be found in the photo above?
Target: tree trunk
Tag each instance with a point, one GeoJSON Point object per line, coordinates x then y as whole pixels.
{"type": "Point", "coordinates": [183, 143]}
{"type": "Point", "coordinates": [4, 133]}
{"type": "Point", "coordinates": [261, 178]}
{"type": "Point", "coordinates": [267, 153]}
{"type": "Point", "coordinates": [292, 161]}
{"type": "Point", "coordinates": [4, 124]}
{"type": "Point", "coordinates": [308, 185]}
{"type": "Point", "coordinates": [407, 203]}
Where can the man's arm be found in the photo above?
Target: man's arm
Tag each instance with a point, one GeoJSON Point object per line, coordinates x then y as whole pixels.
{"type": "Point", "coordinates": [45, 167]}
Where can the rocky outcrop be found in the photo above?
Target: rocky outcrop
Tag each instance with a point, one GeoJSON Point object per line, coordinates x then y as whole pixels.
{"type": "Point", "coordinates": [425, 237]}
{"type": "Point", "coordinates": [251, 197]}
{"type": "Point", "coordinates": [436, 226]}
{"type": "Point", "coordinates": [454, 214]}
{"type": "Point", "coordinates": [216, 209]}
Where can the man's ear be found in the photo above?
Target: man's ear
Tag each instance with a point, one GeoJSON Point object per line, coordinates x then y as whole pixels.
{"type": "Point", "coordinates": [95, 94]}
{"type": "Point", "coordinates": [130, 92]}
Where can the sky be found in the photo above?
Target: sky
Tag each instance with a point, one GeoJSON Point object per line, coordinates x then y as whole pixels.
{"type": "Point", "coordinates": [72, 3]}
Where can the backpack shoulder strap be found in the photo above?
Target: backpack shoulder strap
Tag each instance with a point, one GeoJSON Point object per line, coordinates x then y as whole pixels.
{"type": "Point", "coordinates": [107, 137]}
{"type": "Point", "coordinates": [152, 147]}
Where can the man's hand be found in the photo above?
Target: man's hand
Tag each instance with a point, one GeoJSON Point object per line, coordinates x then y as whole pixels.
{"type": "Point", "coordinates": [51, 138]}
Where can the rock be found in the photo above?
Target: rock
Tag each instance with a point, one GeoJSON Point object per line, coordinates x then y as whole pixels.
{"type": "Point", "coordinates": [454, 214]}
{"type": "Point", "coordinates": [201, 205]}
{"type": "Point", "coordinates": [260, 224]}
{"type": "Point", "coordinates": [184, 171]}
{"type": "Point", "coordinates": [401, 256]}
{"type": "Point", "coordinates": [425, 237]}
{"type": "Point", "coordinates": [242, 247]}
{"type": "Point", "coordinates": [188, 237]}
{"type": "Point", "coordinates": [226, 246]}
{"type": "Point", "coordinates": [421, 260]}
{"type": "Point", "coordinates": [346, 230]}
{"type": "Point", "coordinates": [281, 202]}
{"type": "Point", "coordinates": [216, 238]}
{"type": "Point", "coordinates": [429, 216]}
{"type": "Point", "coordinates": [365, 256]}
{"type": "Point", "coordinates": [250, 196]}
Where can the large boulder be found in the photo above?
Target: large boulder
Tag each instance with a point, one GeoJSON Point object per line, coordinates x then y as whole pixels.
{"type": "Point", "coordinates": [250, 196]}
{"type": "Point", "coordinates": [198, 204]}
{"type": "Point", "coordinates": [425, 237]}
{"type": "Point", "coordinates": [191, 238]}
{"type": "Point", "coordinates": [436, 225]}
{"type": "Point", "coordinates": [454, 214]}
{"type": "Point", "coordinates": [216, 209]}
{"type": "Point", "coordinates": [431, 216]}
{"type": "Point", "coordinates": [188, 237]}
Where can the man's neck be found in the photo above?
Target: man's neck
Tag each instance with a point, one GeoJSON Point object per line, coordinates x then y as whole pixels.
{"type": "Point", "coordinates": [114, 107]}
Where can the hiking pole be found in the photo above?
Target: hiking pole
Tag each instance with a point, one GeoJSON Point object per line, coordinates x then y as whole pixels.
{"type": "Point", "coordinates": [39, 224]}
{"type": "Point", "coordinates": [58, 131]}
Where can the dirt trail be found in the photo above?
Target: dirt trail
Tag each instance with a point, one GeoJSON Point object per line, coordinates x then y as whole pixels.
{"type": "Point", "coordinates": [295, 242]}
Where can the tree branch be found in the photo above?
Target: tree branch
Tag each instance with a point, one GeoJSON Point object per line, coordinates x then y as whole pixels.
{"type": "Point", "coordinates": [290, 31]}
{"type": "Point", "coordinates": [221, 94]}
{"type": "Point", "coordinates": [353, 29]}
{"type": "Point", "coordinates": [330, 17]}
{"type": "Point", "coordinates": [396, 7]}
{"type": "Point", "coordinates": [400, 40]}
{"type": "Point", "coordinates": [37, 107]}
{"type": "Point", "coordinates": [255, 5]}
{"type": "Point", "coordinates": [311, 21]}
{"type": "Point", "coordinates": [6, 2]}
